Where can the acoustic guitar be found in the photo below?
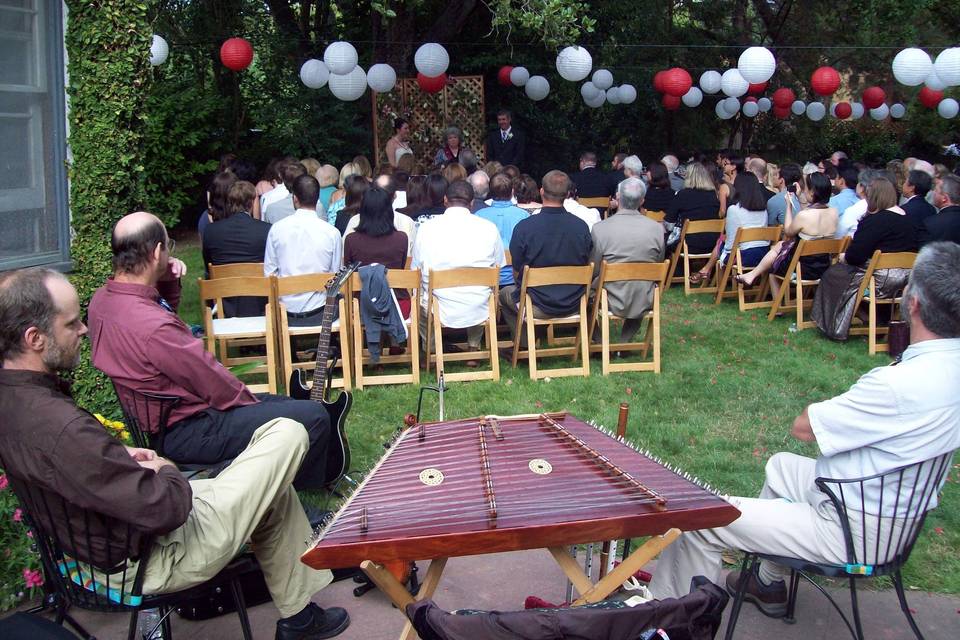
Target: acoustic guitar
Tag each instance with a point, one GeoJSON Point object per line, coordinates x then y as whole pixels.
{"type": "Point", "coordinates": [338, 453]}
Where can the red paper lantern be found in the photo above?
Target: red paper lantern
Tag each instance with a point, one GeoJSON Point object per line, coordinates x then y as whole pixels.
{"type": "Point", "coordinates": [825, 81]}
{"type": "Point", "coordinates": [756, 89]}
{"type": "Point", "coordinates": [503, 76]}
{"type": "Point", "coordinates": [873, 97]}
{"type": "Point", "coordinates": [236, 54]}
{"type": "Point", "coordinates": [431, 85]}
{"type": "Point", "coordinates": [658, 81]}
{"type": "Point", "coordinates": [930, 98]}
{"type": "Point", "coordinates": [676, 82]}
{"type": "Point", "coordinates": [783, 97]}
{"type": "Point", "coordinates": [669, 102]}
{"type": "Point", "coordinates": [749, 99]}
{"type": "Point", "coordinates": [782, 112]}
{"type": "Point", "coordinates": [844, 110]}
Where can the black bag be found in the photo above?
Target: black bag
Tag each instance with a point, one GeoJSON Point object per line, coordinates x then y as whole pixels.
{"type": "Point", "coordinates": [218, 600]}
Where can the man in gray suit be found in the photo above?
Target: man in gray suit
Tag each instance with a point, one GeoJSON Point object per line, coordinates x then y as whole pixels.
{"type": "Point", "coordinates": [628, 236]}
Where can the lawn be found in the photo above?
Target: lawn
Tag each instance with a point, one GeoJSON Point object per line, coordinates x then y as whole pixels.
{"type": "Point", "coordinates": [730, 388]}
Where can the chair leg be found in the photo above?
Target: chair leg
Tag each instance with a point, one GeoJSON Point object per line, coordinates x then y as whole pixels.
{"type": "Point", "coordinates": [898, 584]}
{"type": "Point", "coordinates": [790, 617]}
{"type": "Point", "coordinates": [241, 606]}
{"type": "Point", "coordinates": [132, 631]}
{"type": "Point", "coordinates": [745, 570]}
{"type": "Point", "coordinates": [855, 606]}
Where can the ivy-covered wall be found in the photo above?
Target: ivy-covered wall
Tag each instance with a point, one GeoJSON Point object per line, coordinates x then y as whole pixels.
{"type": "Point", "coordinates": [108, 44]}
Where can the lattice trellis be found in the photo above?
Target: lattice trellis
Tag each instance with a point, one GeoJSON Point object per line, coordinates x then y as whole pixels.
{"type": "Point", "coordinates": [460, 104]}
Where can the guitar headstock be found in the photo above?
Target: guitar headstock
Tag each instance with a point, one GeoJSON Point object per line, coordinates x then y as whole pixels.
{"type": "Point", "coordinates": [338, 279]}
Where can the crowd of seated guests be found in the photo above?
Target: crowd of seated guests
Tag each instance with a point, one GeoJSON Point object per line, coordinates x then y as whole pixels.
{"type": "Point", "coordinates": [377, 213]}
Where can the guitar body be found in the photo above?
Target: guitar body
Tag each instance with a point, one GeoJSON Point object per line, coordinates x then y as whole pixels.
{"type": "Point", "coordinates": [338, 450]}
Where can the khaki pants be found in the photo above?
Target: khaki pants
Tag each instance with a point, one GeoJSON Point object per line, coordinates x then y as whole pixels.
{"type": "Point", "coordinates": [474, 334]}
{"type": "Point", "coordinates": [252, 499]}
{"type": "Point", "coordinates": [792, 518]}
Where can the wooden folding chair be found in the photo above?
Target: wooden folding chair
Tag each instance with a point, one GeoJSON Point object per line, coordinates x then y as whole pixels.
{"type": "Point", "coordinates": [880, 260]}
{"type": "Point", "coordinates": [236, 270]}
{"type": "Point", "coordinates": [654, 215]}
{"type": "Point", "coordinates": [259, 328]}
{"type": "Point", "coordinates": [794, 277]}
{"type": "Point", "coordinates": [408, 279]}
{"type": "Point", "coordinates": [463, 277]}
{"type": "Point", "coordinates": [600, 203]}
{"type": "Point", "coordinates": [655, 272]}
{"type": "Point", "coordinates": [693, 227]}
{"type": "Point", "coordinates": [541, 277]}
{"type": "Point", "coordinates": [308, 283]}
{"type": "Point", "coordinates": [735, 266]}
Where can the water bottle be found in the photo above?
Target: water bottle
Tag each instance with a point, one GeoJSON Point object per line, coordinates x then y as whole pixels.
{"type": "Point", "coordinates": [146, 622]}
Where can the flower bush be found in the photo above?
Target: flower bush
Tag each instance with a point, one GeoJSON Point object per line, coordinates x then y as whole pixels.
{"type": "Point", "coordinates": [20, 575]}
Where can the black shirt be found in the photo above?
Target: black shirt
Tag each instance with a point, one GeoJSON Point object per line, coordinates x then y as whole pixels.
{"type": "Point", "coordinates": [918, 210]}
{"type": "Point", "coordinates": [695, 204]}
{"type": "Point", "coordinates": [591, 183]}
{"type": "Point", "coordinates": [945, 225]}
{"type": "Point", "coordinates": [552, 238]}
{"type": "Point", "coordinates": [660, 199]}
{"type": "Point", "coordinates": [883, 230]}
{"type": "Point", "coordinates": [232, 240]}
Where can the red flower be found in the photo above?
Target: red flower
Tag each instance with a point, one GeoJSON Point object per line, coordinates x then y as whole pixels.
{"type": "Point", "coordinates": [32, 578]}
{"type": "Point", "coordinates": [17, 515]}
{"type": "Point", "coordinates": [3, 481]}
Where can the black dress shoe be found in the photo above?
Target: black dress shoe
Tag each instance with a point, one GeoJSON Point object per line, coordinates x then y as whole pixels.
{"type": "Point", "coordinates": [326, 623]}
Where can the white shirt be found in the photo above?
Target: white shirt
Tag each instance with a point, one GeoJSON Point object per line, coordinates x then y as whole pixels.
{"type": "Point", "coordinates": [298, 244]}
{"type": "Point", "coordinates": [277, 193]}
{"type": "Point", "coordinates": [850, 219]}
{"type": "Point", "coordinates": [588, 215]}
{"type": "Point", "coordinates": [457, 239]}
{"type": "Point", "coordinates": [893, 416]}
{"type": "Point", "coordinates": [401, 221]}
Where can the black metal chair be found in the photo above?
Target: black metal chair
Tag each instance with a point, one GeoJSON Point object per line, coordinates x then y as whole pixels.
{"type": "Point", "coordinates": [883, 542]}
{"type": "Point", "coordinates": [98, 563]}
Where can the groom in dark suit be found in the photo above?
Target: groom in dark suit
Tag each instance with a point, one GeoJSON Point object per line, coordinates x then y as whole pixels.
{"type": "Point", "coordinates": [506, 145]}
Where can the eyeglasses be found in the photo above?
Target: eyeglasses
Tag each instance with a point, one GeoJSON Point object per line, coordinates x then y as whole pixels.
{"type": "Point", "coordinates": [171, 245]}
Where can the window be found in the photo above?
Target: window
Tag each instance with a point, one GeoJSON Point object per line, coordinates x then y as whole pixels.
{"type": "Point", "coordinates": [34, 218]}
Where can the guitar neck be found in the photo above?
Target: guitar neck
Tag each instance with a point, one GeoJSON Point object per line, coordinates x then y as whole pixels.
{"type": "Point", "coordinates": [318, 392]}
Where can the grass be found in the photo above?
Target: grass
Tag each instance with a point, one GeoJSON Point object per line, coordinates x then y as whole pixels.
{"type": "Point", "coordinates": [730, 388]}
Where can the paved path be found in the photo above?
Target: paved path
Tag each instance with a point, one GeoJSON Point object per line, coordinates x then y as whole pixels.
{"type": "Point", "coordinates": [504, 580]}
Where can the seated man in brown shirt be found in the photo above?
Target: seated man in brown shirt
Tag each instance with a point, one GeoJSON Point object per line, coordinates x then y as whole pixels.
{"type": "Point", "coordinates": [195, 528]}
{"type": "Point", "coordinates": [138, 340]}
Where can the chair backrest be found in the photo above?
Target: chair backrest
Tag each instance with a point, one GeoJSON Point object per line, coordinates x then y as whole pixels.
{"type": "Point", "coordinates": [901, 260]}
{"type": "Point", "coordinates": [831, 246]}
{"type": "Point", "coordinates": [598, 202]}
{"type": "Point", "coordinates": [231, 287]}
{"type": "Point", "coordinates": [757, 234]}
{"type": "Point", "coordinates": [397, 279]}
{"type": "Point", "coordinates": [235, 270]}
{"type": "Point", "coordinates": [305, 283]}
{"type": "Point", "coordinates": [655, 215]}
{"type": "Point", "coordinates": [85, 554]}
{"type": "Point", "coordinates": [145, 413]}
{"type": "Point", "coordinates": [882, 515]}
{"type": "Point", "coordinates": [714, 225]}
{"type": "Point", "coordinates": [464, 277]}
{"type": "Point", "coordinates": [620, 271]}
{"type": "Point", "coordinates": [543, 276]}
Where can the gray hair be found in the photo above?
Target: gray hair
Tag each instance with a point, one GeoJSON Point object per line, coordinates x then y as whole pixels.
{"type": "Point", "coordinates": [469, 160]}
{"type": "Point", "coordinates": [630, 193]}
{"type": "Point", "coordinates": [633, 165]}
{"type": "Point", "coordinates": [950, 187]}
{"type": "Point", "coordinates": [25, 302]}
{"type": "Point", "coordinates": [935, 285]}
{"type": "Point", "coordinates": [453, 131]}
{"type": "Point", "coordinates": [866, 178]}
{"type": "Point", "coordinates": [758, 167]}
{"type": "Point", "coordinates": [480, 182]}
{"type": "Point", "coordinates": [671, 162]}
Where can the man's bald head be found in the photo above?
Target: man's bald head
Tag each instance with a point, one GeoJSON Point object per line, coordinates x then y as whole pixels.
{"type": "Point", "coordinates": [134, 240]}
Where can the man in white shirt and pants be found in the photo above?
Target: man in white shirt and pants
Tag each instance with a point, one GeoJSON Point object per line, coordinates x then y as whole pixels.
{"type": "Point", "coordinates": [456, 239]}
{"type": "Point", "coordinates": [303, 243]}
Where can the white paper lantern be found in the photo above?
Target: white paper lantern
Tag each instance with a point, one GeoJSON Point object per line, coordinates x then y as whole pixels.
{"type": "Point", "coordinates": [816, 111]}
{"type": "Point", "coordinates": [722, 113]}
{"type": "Point", "coordinates": [537, 88]}
{"type": "Point", "coordinates": [597, 100]}
{"type": "Point", "coordinates": [381, 78]}
{"type": "Point", "coordinates": [856, 110]}
{"type": "Point", "coordinates": [934, 81]}
{"type": "Point", "coordinates": [340, 58]}
{"type": "Point", "coordinates": [764, 104]}
{"type": "Point", "coordinates": [519, 76]}
{"type": "Point", "coordinates": [613, 95]}
{"type": "Point", "coordinates": [880, 113]}
{"type": "Point", "coordinates": [757, 65]}
{"type": "Point", "coordinates": [733, 84]}
{"type": "Point", "coordinates": [833, 109]}
{"type": "Point", "coordinates": [897, 111]}
{"type": "Point", "coordinates": [602, 79]}
{"type": "Point", "coordinates": [314, 74]}
{"type": "Point", "coordinates": [911, 66]}
{"type": "Point", "coordinates": [431, 59]}
{"type": "Point", "coordinates": [628, 94]}
{"type": "Point", "coordinates": [750, 109]}
{"type": "Point", "coordinates": [159, 51]}
{"type": "Point", "coordinates": [731, 105]}
{"type": "Point", "coordinates": [574, 63]}
{"type": "Point", "coordinates": [589, 91]}
{"type": "Point", "coordinates": [798, 107]}
{"type": "Point", "coordinates": [693, 97]}
{"type": "Point", "coordinates": [948, 108]}
{"type": "Point", "coordinates": [710, 81]}
{"type": "Point", "coordinates": [948, 66]}
{"type": "Point", "coordinates": [348, 86]}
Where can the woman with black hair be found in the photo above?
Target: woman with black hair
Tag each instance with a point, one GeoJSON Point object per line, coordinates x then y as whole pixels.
{"type": "Point", "coordinates": [355, 187]}
{"type": "Point", "coordinates": [436, 189]}
{"type": "Point", "coordinates": [660, 195]}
